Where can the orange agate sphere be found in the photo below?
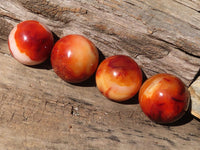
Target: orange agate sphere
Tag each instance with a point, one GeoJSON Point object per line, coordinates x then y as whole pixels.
{"type": "Point", "coordinates": [119, 78]}
{"type": "Point", "coordinates": [30, 42]}
{"type": "Point", "coordinates": [74, 58]}
{"type": "Point", "coordinates": [164, 98]}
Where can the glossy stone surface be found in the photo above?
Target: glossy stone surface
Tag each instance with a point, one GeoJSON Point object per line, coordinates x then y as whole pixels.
{"type": "Point", "coordinates": [30, 42]}
{"type": "Point", "coordinates": [164, 98]}
{"type": "Point", "coordinates": [119, 78]}
{"type": "Point", "coordinates": [74, 58]}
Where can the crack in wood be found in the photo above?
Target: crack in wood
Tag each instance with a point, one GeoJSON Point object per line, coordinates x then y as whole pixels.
{"type": "Point", "coordinates": [55, 12]}
{"type": "Point", "coordinates": [176, 46]}
{"type": "Point", "coordinates": [161, 138]}
{"type": "Point", "coordinates": [79, 101]}
{"type": "Point", "coordinates": [113, 138]}
{"type": "Point", "coordinates": [187, 6]}
{"type": "Point", "coordinates": [195, 77]}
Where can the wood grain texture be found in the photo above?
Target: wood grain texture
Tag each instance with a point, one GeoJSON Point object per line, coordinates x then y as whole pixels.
{"type": "Point", "coordinates": [40, 111]}
{"type": "Point", "coordinates": [195, 97]}
{"type": "Point", "coordinates": [159, 36]}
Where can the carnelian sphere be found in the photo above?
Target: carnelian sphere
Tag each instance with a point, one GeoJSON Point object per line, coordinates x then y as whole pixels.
{"type": "Point", "coordinates": [30, 42]}
{"type": "Point", "coordinates": [164, 98]}
{"type": "Point", "coordinates": [119, 78]}
{"type": "Point", "coordinates": [74, 58]}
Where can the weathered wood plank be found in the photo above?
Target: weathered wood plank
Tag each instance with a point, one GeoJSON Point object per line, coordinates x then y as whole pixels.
{"type": "Point", "coordinates": [145, 32]}
{"type": "Point", "coordinates": [195, 97]}
{"type": "Point", "coordinates": [40, 111]}
{"type": "Point", "coordinates": [44, 112]}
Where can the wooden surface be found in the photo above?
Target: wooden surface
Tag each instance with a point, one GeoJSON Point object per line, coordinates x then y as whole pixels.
{"type": "Point", "coordinates": [40, 111]}
{"type": "Point", "coordinates": [195, 97]}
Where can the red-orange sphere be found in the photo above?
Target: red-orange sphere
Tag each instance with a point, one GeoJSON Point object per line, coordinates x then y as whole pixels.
{"type": "Point", "coordinates": [164, 98]}
{"type": "Point", "coordinates": [119, 78]}
{"type": "Point", "coordinates": [30, 42]}
{"type": "Point", "coordinates": [74, 58]}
